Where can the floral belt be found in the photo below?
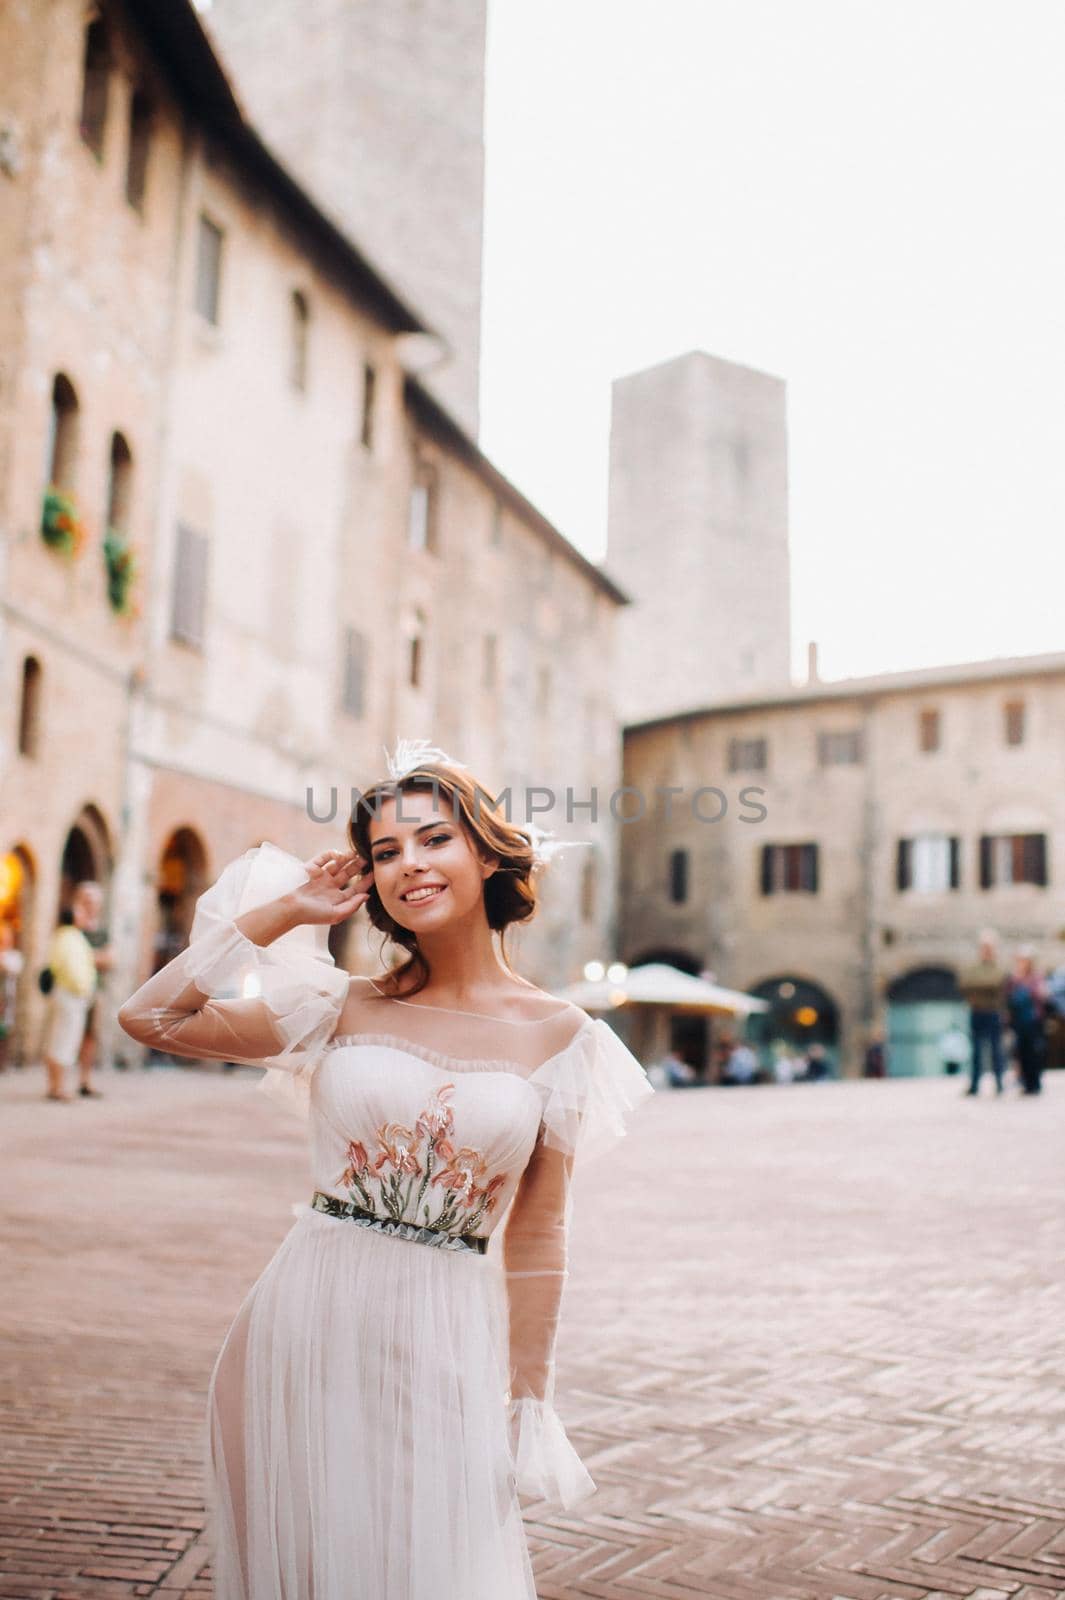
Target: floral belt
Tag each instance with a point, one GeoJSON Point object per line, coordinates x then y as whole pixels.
{"type": "Point", "coordinates": [332, 1207]}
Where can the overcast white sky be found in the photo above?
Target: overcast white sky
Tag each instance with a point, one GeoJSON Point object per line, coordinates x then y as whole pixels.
{"type": "Point", "coordinates": [862, 196]}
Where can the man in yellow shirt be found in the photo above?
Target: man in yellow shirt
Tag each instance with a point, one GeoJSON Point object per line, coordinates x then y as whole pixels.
{"type": "Point", "coordinates": [73, 964]}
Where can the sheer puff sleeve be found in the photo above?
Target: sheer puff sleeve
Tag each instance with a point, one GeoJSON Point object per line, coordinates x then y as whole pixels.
{"type": "Point", "coordinates": [225, 998]}
{"type": "Point", "coordinates": [590, 1092]}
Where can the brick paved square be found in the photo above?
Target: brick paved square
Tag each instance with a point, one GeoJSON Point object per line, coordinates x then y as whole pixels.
{"type": "Point", "coordinates": [812, 1345]}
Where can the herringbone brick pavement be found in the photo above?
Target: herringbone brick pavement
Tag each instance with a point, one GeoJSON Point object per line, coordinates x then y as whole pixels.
{"type": "Point", "coordinates": [813, 1344]}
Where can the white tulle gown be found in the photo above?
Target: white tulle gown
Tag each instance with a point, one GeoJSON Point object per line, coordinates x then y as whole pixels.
{"type": "Point", "coordinates": [386, 1391]}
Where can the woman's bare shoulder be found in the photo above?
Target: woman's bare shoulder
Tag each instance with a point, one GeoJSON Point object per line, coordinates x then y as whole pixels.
{"type": "Point", "coordinates": [362, 992]}
{"type": "Point", "coordinates": [366, 987]}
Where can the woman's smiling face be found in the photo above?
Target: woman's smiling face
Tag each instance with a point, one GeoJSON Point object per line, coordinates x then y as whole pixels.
{"type": "Point", "coordinates": [425, 868]}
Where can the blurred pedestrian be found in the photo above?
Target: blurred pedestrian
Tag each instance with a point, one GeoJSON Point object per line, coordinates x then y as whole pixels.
{"type": "Point", "coordinates": [875, 1065]}
{"type": "Point", "coordinates": [92, 905]}
{"type": "Point", "coordinates": [783, 1065]}
{"type": "Point", "coordinates": [742, 1064]}
{"type": "Point", "coordinates": [678, 1072]}
{"type": "Point", "coordinates": [787, 1068]}
{"type": "Point", "coordinates": [74, 983]}
{"type": "Point", "coordinates": [816, 1064]}
{"type": "Point", "coordinates": [1026, 997]}
{"type": "Point", "coordinates": [1054, 1054]}
{"type": "Point", "coordinates": [983, 988]}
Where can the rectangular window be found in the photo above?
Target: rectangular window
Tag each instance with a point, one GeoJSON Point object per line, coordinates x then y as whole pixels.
{"type": "Point", "coordinates": [678, 876]}
{"type": "Point", "coordinates": [416, 649]}
{"type": "Point", "coordinates": [928, 863]}
{"type": "Point", "coordinates": [928, 731]}
{"type": "Point", "coordinates": [369, 405]}
{"type": "Point", "coordinates": [789, 869]}
{"type": "Point", "coordinates": [421, 525]}
{"type": "Point", "coordinates": [353, 687]}
{"type": "Point", "coordinates": [300, 313]}
{"type": "Point", "coordinates": [1013, 858]}
{"type": "Point", "coordinates": [208, 269]}
{"type": "Point", "coordinates": [747, 755]}
{"type": "Point", "coordinates": [1013, 721]}
{"type": "Point", "coordinates": [839, 749]}
{"type": "Point", "coordinates": [189, 597]}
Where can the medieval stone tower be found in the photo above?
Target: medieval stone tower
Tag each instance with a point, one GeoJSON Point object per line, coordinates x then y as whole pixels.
{"type": "Point", "coordinates": [698, 534]}
{"type": "Point", "coordinates": [379, 109]}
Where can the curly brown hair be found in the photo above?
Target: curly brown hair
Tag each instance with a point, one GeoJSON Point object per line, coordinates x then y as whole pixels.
{"type": "Point", "coordinates": [509, 893]}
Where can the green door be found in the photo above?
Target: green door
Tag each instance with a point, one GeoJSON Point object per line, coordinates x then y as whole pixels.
{"type": "Point", "coordinates": [915, 1032]}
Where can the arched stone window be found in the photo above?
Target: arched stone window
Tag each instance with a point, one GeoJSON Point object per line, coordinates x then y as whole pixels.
{"type": "Point", "coordinates": [95, 79]}
{"type": "Point", "coordinates": [29, 715]}
{"type": "Point", "coordinates": [62, 455]}
{"type": "Point", "coordinates": [119, 484]}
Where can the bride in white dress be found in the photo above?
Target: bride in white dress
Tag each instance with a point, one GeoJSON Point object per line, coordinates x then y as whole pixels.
{"type": "Point", "coordinates": [386, 1391]}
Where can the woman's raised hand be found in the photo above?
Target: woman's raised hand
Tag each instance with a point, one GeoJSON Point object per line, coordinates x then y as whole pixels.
{"type": "Point", "coordinates": [338, 883]}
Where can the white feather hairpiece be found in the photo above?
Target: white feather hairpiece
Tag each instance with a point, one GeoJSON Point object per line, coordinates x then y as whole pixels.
{"type": "Point", "coordinates": [412, 753]}
{"type": "Point", "coordinates": [546, 846]}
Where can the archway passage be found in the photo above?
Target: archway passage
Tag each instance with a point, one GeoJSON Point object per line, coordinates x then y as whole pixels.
{"type": "Point", "coordinates": [87, 854]}
{"type": "Point", "coordinates": [802, 1018]}
{"type": "Point", "coordinates": [17, 904]}
{"type": "Point", "coordinates": [927, 1024]}
{"type": "Point", "coordinates": [180, 880]}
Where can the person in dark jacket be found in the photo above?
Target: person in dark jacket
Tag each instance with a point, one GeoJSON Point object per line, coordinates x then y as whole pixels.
{"type": "Point", "coordinates": [1026, 999]}
{"type": "Point", "coordinates": [983, 988]}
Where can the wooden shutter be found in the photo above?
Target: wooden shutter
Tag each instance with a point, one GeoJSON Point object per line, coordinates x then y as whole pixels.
{"type": "Point", "coordinates": [955, 863]}
{"type": "Point", "coordinates": [678, 876]}
{"type": "Point", "coordinates": [985, 861]}
{"type": "Point", "coordinates": [767, 869]}
{"type": "Point", "coordinates": [1035, 858]}
{"type": "Point", "coordinates": [809, 872]}
{"type": "Point", "coordinates": [904, 864]}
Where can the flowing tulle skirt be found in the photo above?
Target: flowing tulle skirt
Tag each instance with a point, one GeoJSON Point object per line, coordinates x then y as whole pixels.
{"type": "Point", "coordinates": [357, 1439]}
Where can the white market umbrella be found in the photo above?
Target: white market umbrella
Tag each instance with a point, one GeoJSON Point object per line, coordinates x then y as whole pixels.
{"type": "Point", "coordinates": [658, 984]}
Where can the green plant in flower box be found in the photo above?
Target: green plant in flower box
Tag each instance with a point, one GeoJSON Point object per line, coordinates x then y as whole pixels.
{"type": "Point", "coordinates": [121, 567]}
{"type": "Point", "coordinates": [61, 526]}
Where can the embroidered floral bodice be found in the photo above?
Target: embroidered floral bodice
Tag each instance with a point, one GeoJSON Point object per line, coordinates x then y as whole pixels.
{"type": "Point", "coordinates": [424, 1115]}
{"type": "Point", "coordinates": [419, 1141]}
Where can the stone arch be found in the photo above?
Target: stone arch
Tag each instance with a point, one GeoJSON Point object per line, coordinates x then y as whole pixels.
{"type": "Point", "coordinates": [801, 1014]}
{"type": "Point", "coordinates": [87, 853]}
{"type": "Point", "coordinates": [923, 984]}
{"type": "Point", "coordinates": [181, 877]}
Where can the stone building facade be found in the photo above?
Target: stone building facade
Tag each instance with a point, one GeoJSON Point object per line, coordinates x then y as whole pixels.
{"type": "Point", "coordinates": [201, 360]}
{"type": "Point", "coordinates": [379, 109]}
{"type": "Point", "coordinates": [850, 841]}
{"type": "Point", "coordinates": [698, 534]}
